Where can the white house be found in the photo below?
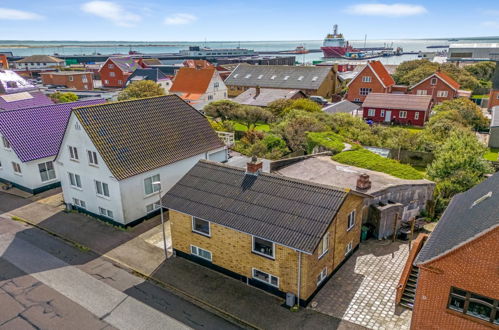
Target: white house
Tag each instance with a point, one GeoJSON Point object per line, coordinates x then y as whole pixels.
{"type": "Point", "coordinates": [199, 86]}
{"type": "Point", "coordinates": [29, 141]}
{"type": "Point", "coordinates": [112, 154]}
{"type": "Point", "coordinates": [39, 62]}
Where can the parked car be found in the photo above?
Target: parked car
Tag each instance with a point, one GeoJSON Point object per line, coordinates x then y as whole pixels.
{"type": "Point", "coordinates": [318, 99]}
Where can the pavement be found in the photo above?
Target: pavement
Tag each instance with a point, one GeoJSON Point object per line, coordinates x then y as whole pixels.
{"type": "Point", "coordinates": [136, 249]}
{"type": "Point", "coordinates": [363, 290]}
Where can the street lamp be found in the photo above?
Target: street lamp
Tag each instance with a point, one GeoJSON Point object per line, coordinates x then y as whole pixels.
{"type": "Point", "coordinates": [158, 183]}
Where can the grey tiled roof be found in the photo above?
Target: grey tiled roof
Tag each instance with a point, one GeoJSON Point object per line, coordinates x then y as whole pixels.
{"type": "Point", "coordinates": [137, 136]}
{"type": "Point", "coordinates": [266, 96]}
{"type": "Point", "coordinates": [462, 221]}
{"type": "Point", "coordinates": [342, 106]}
{"type": "Point", "coordinates": [286, 211]}
{"type": "Point", "coordinates": [274, 76]}
{"type": "Point", "coordinates": [495, 117]}
{"type": "Point", "coordinates": [153, 74]}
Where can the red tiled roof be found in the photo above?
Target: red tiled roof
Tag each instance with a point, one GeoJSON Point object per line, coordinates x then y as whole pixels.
{"type": "Point", "coordinates": [382, 73]}
{"type": "Point", "coordinates": [454, 84]}
{"type": "Point", "coordinates": [190, 80]}
{"type": "Point", "coordinates": [198, 64]}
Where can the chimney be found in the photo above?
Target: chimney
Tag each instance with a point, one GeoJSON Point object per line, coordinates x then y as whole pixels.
{"type": "Point", "coordinates": [257, 91]}
{"type": "Point", "coordinates": [254, 167]}
{"type": "Point", "coordinates": [363, 182]}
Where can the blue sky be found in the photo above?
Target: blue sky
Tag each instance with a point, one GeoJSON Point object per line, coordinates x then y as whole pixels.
{"type": "Point", "coordinates": [195, 20]}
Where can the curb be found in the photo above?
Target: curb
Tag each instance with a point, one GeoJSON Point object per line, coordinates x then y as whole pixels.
{"type": "Point", "coordinates": [179, 292]}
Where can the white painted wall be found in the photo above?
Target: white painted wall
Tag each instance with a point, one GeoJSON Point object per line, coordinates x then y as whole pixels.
{"type": "Point", "coordinates": [216, 93]}
{"type": "Point", "coordinates": [39, 66]}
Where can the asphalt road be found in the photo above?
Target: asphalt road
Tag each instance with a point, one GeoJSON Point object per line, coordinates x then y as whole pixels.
{"type": "Point", "coordinates": [46, 283]}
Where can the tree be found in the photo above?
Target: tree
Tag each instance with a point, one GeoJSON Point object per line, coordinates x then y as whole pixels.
{"type": "Point", "coordinates": [141, 89]}
{"type": "Point", "coordinates": [461, 110]}
{"type": "Point", "coordinates": [59, 97]}
{"type": "Point", "coordinates": [295, 127]}
{"type": "Point", "coordinates": [405, 67]}
{"type": "Point", "coordinates": [305, 105]}
{"type": "Point", "coordinates": [277, 107]}
{"type": "Point", "coordinates": [223, 109]}
{"type": "Point", "coordinates": [250, 115]}
{"type": "Point", "coordinates": [482, 70]}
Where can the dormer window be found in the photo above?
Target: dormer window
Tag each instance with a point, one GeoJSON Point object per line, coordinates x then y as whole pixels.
{"type": "Point", "coordinates": [6, 143]}
{"type": "Point", "coordinates": [263, 247]}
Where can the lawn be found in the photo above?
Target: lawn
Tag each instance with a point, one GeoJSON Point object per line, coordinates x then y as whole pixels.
{"type": "Point", "coordinates": [365, 159]}
{"type": "Point", "coordinates": [492, 154]}
{"type": "Point", "coordinates": [412, 129]}
{"type": "Point", "coordinates": [244, 128]}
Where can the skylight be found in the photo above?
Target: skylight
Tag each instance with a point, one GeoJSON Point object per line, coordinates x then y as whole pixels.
{"type": "Point", "coordinates": [235, 76]}
{"type": "Point", "coordinates": [300, 78]}
{"type": "Point", "coordinates": [315, 78]}
{"type": "Point", "coordinates": [286, 77]}
{"type": "Point", "coordinates": [260, 76]}
{"type": "Point", "coordinates": [273, 77]}
{"type": "Point", "coordinates": [247, 76]}
{"type": "Point", "coordinates": [481, 199]}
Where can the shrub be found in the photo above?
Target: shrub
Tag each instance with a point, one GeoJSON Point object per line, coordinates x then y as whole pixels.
{"type": "Point", "coordinates": [328, 140]}
{"type": "Point", "coordinates": [365, 159]}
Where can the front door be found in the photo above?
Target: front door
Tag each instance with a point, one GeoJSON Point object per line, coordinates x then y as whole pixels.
{"type": "Point", "coordinates": [388, 115]}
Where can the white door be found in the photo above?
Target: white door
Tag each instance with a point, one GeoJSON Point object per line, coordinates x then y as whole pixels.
{"type": "Point", "coordinates": [388, 115]}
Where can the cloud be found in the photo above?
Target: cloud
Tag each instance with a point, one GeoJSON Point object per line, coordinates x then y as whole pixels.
{"type": "Point", "coordinates": [14, 14]}
{"type": "Point", "coordinates": [112, 12]}
{"type": "Point", "coordinates": [180, 19]}
{"type": "Point", "coordinates": [491, 24]}
{"type": "Point", "coordinates": [380, 9]}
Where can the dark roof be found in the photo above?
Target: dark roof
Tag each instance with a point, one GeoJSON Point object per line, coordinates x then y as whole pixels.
{"type": "Point", "coordinates": [40, 59]}
{"type": "Point", "coordinates": [495, 79]}
{"type": "Point", "coordinates": [494, 122]}
{"type": "Point", "coordinates": [137, 136]}
{"type": "Point", "coordinates": [397, 101]}
{"type": "Point", "coordinates": [125, 63]}
{"type": "Point", "coordinates": [469, 215]}
{"type": "Point", "coordinates": [286, 211]}
{"type": "Point", "coordinates": [266, 96]}
{"type": "Point", "coordinates": [342, 106]}
{"type": "Point", "coordinates": [278, 76]}
{"type": "Point", "coordinates": [153, 74]}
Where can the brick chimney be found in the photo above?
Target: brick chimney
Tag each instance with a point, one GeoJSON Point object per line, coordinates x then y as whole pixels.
{"type": "Point", "coordinates": [254, 166]}
{"type": "Point", "coordinates": [363, 182]}
{"type": "Point", "coordinates": [257, 91]}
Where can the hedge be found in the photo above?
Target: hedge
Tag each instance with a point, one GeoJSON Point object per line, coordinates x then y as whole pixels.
{"type": "Point", "coordinates": [365, 159]}
{"type": "Point", "coordinates": [327, 140]}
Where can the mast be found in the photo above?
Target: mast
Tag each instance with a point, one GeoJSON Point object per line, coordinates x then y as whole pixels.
{"type": "Point", "coordinates": [335, 29]}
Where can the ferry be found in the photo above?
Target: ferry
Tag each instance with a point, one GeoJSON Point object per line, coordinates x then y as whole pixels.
{"type": "Point", "coordinates": [335, 46]}
{"type": "Point", "coordinates": [196, 51]}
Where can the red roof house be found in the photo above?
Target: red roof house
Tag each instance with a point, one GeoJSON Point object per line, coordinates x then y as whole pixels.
{"type": "Point", "coordinates": [374, 78]}
{"type": "Point", "coordinates": [116, 70]}
{"type": "Point", "coordinates": [440, 86]}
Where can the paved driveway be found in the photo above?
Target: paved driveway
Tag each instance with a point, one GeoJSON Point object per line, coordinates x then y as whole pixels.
{"type": "Point", "coordinates": [363, 290]}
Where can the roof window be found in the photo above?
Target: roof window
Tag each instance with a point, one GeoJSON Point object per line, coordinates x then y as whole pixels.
{"type": "Point", "coordinates": [247, 76]}
{"type": "Point", "coordinates": [273, 77]}
{"type": "Point", "coordinates": [315, 78]}
{"type": "Point", "coordinates": [481, 199]}
{"type": "Point", "coordinates": [300, 78]}
{"type": "Point", "coordinates": [286, 77]}
{"type": "Point", "coordinates": [260, 76]}
{"type": "Point", "coordinates": [235, 76]}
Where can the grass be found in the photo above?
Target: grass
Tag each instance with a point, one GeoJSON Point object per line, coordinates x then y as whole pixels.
{"type": "Point", "coordinates": [480, 96]}
{"type": "Point", "coordinates": [258, 127]}
{"type": "Point", "coordinates": [412, 129]}
{"type": "Point", "coordinates": [492, 154]}
{"type": "Point", "coordinates": [365, 159]}
{"type": "Point", "coordinates": [328, 140]}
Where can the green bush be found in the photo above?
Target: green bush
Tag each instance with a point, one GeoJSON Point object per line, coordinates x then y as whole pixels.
{"type": "Point", "coordinates": [328, 140]}
{"type": "Point", "coordinates": [365, 159]}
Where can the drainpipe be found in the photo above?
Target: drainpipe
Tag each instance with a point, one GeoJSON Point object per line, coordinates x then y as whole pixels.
{"type": "Point", "coordinates": [299, 278]}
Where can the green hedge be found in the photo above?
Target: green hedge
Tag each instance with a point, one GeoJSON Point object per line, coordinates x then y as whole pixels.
{"type": "Point", "coordinates": [365, 159]}
{"type": "Point", "coordinates": [328, 140]}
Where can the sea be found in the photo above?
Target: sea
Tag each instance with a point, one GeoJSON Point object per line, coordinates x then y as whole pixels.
{"type": "Point", "coordinates": [27, 47]}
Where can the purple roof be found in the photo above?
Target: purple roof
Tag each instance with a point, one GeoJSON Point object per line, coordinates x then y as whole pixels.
{"type": "Point", "coordinates": [36, 133]}
{"type": "Point", "coordinates": [38, 99]}
{"type": "Point", "coordinates": [11, 82]}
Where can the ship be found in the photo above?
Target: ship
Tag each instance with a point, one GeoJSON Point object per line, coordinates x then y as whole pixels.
{"type": "Point", "coordinates": [334, 45]}
{"type": "Point", "coordinates": [196, 51]}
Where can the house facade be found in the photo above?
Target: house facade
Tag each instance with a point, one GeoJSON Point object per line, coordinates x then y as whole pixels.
{"type": "Point", "coordinates": [153, 74]}
{"type": "Point", "coordinates": [70, 79]}
{"type": "Point", "coordinates": [116, 181]}
{"type": "Point", "coordinates": [39, 63]}
{"type": "Point", "coordinates": [494, 92]}
{"type": "Point", "coordinates": [374, 78]}
{"type": "Point", "coordinates": [116, 70]}
{"type": "Point", "coordinates": [439, 86]}
{"type": "Point", "coordinates": [295, 252]}
{"type": "Point", "coordinates": [403, 109]}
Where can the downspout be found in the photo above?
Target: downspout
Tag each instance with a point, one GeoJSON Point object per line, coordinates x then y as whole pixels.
{"type": "Point", "coordinates": [299, 278]}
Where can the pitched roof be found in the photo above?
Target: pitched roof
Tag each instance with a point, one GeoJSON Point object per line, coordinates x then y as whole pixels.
{"type": "Point", "coordinates": [36, 133]}
{"type": "Point", "coordinates": [125, 63]}
{"type": "Point", "coordinates": [342, 106]}
{"type": "Point", "coordinates": [191, 80]}
{"type": "Point", "coordinates": [40, 59]}
{"type": "Point", "coordinates": [494, 122]}
{"type": "Point", "coordinates": [151, 61]}
{"type": "Point", "coordinates": [468, 216]}
{"type": "Point", "coordinates": [382, 73]}
{"type": "Point", "coordinates": [286, 211]}
{"type": "Point", "coordinates": [278, 76]}
{"type": "Point", "coordinates": [442, 76]}
{"type": "Point", "coordinates": [397, 101]}
{"type": "Point", "coordinates": [153, 74]}
{"type": "Point", "coordinates": [197, 64]}
{"type": "Point", "coordinates": [23, 100]}
{"type": "Point", "coordinates": [140, 135]}
{"type": "Point", "coordinates": [495, 78]}
{"type": "Point", "coordinates": [266, 96]}
{"type": "Point", "coordinates": [11, 82]}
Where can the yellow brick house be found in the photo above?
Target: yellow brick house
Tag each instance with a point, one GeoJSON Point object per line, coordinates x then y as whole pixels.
{"type": "Point", "coordinates": [276, 233]}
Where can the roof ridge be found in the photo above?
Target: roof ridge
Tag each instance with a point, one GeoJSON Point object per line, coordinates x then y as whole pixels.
{"type": "Point", "coordinates": [123, 101]}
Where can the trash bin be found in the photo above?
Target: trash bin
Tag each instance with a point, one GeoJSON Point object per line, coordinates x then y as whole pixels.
{"type": "Point", "coordinates": [290, 299]}
{"type": "Point", "coordinates": [363, 234]}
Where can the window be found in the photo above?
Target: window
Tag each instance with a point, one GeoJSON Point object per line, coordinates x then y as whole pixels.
{"type": "Point", "coordinates": [348, 248]}
{"type": "Point", "coordinates": [273, 77]}
{"type": "Point", "coordinates": [73, 153]}
{"type": "Point", "coordinates": [216, 84]}
{"type": "Point", "coordinates": [74, 180]}
{"type": "Point", "coordinates": [120, 82]}
{"type": "Point", "coordinates": [442, 93]}
{"type": "Point", "coordinates": [0, 165]}
{"type": "Point", "coordinates": [102, 188]}
{"type": "Point", "coordinates": [351, 220]}
{"type": "Point", "coordinates": [300, 78]}
{"type": "Point", "coordinates": [235, 76]}
{"type": "Point", "coordinates": [84, 78]}
{"type": "Point", "coordinates": [286, 77]}
{"type": "Point", "coordinates": [106, 81]}
{"type": "Point", "coordinates": [365, 91]}
{"type": "Point", "coordinates": [416, 115]}
{"type": "Point", "coordinates": [356, 100]}
{"type": "Point", "coordinates": [323, 245]}
{"type": "Point", "coordinates": [85, 86]}
{"type": "Point", "coordinates": [498, 96]}
{"type": "Point", "coordinates": [247, 76]}
{"type": "Point", "coordinates": [421, 92]}
{"type": "Point", "coordinates": [106, 213]}
{"type": "Point", "coordinates": [112, 74]}
{"type": "Point", "coordinates": [366, 79]}
{"type": "Point", "coordinates": [403, 114]}
{"type": "Point", "coordinates": [260, 76]}
{"type": "Point", "coordinates": [110, 66]}
{"type": "Point", "coordinates": [152, 207]}
{"type": "Point", "coordinates": [47, 171]}
{"type": "Point", "coordinates": [16, 167]}
{"type": "Point", "coordinates": [322, 276]}
{"type": "Point", "coordinates": [265, 277]}
{"type": "Point", "coordinates": [201, 226]}
{"type": "Point", "coordinates": [371, 112]}
{"type": "Point", "coordinates": [315, 78]}
{"type": "Point", "coordinates": [70, 78]}
{"type": "Point", "coordinates": [149, 187]}
{"type": "Point", "coordinates": [77, 126]}
{"type": "Point", "coordinates": [6, 143]}
{"type": "Point", "coordinates": [210, 97]}
{"type": "Point", "coordinates": [263, 247]}
{"type": "Point", "coordinates": [474, 305]}
{"type": "Point", "coordinates": [92, 158]}
{"type": "Point", "coordinates": [79, 203]}
{"type": "Point", "coordinates": [202, 253]}
{"type": "Point", "coordinates": [433, 81]}
{"type": "Point", "coordinates": [382, 113]}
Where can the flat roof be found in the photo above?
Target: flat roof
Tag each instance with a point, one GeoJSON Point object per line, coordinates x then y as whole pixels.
{"type": "Point", "coordinates": [66, 73]}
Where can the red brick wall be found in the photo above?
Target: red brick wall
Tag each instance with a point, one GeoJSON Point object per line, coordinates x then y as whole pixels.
{"type": "Point", "coordinates": [395, 116]}
{"type": "Point", "coordinates": [433, 90]}
{"type": "Point", "coordinates": [356, 84]}
{"type": "Point", "coordinates": [119, 78]}
{"type": "Point", "coordinates": [493, 98]}
{"type": "Point", "coordinates": [63, 80]}
{"type": "Point", "coordinates": [473, 267]}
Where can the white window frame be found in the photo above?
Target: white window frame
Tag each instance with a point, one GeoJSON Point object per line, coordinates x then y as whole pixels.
{"type": "Point", "coordinates": [71, 78]}
{"type": "Point", "coordinates": [17, 168]}
{"type": "Point", "coordinates": [322, 276]}
{"type": "Point", "coordinates": [84, 78]}
{"type": "Point", "coordinates": [382, 113]}
{"type": "Point", "coordinates": [110, 66]}
{"type": "Point", "coordinates": [261, 253]}
{"type": "Point", "coordinates": [324, 245]}
{"type": "Point", "coordinates": [421, 92]}
{"type": "Point", "coordinates": [366, 79]}
{"type": "Point", "coordinates": [155, 187]}
{"type": "Point", "coordinates": [6, 143]}
{"type": "Point", "coordinates": [349, 247]}
{"type": "Point", "coordinates": [120, 82]}
{"type": "Point", "coordinates": [112, 74]}
{"type": "Point", "coordinates": [152, 207]}
{"type": "Point", "coordinates": [351, 220]}
{"type": "Point", "coordinates": [442, 94]}
{"type": "Point", "coordinates": [356, 99]}
{"type": "Point", "coordinates": [106, 81]}
{"type": "Point", "coordinates": [371, 112]}
{"type": "Point", "coordinates": [44, 164]}
{"type": "Point", "coordinates": [195, 251]}
{"type": "Point", "coordinates": [102, 189]}
{"type": "Point", "coordinates": [79, 203]}
{"type": "Point", "coordinates": [76, 181]}
{"type": "Point", "coordinates": [73, 154]}
{"type": "Point", "coordinates": [92, 158]}
{"type": "Point", "coordinates": [433, 81]}
{"type": "Point", "coordinates": [201, 232]}
{"type": "Point", "coordinates": [403, 114]}
{"type": "Point", "coordinates": [106, 213]}
{"type": "Point", "coordinates": [269, 282]}
{"type": "Point", "coordinates": [364, 91]}
{"type": "Point", "coordinates": [416, 115]}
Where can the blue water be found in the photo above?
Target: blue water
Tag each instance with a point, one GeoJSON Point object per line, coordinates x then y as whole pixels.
{"type": "Point", "coordinates": [26, 48]}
